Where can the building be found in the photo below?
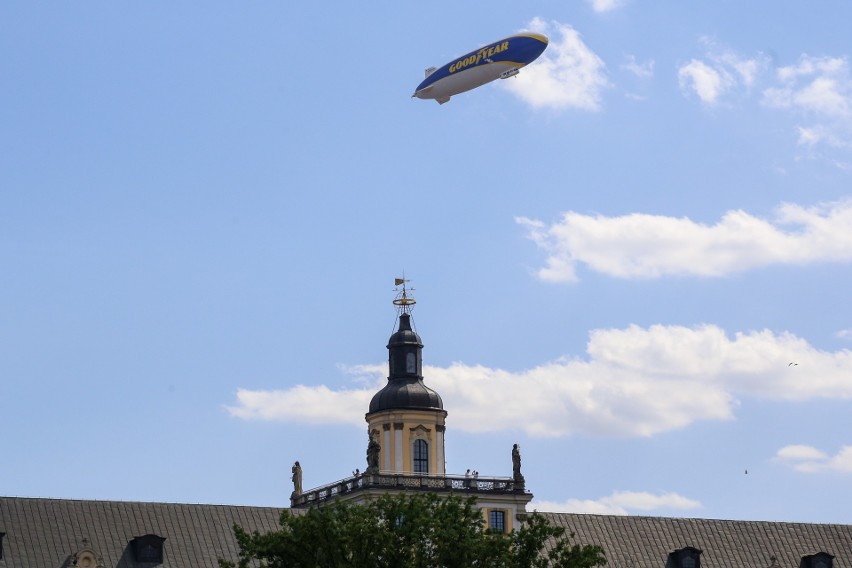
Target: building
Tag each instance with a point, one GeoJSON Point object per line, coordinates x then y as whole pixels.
{"type": "Point", "coordinates": [59, 533]}
{"type": "Point", "coordinates": [405, 452]}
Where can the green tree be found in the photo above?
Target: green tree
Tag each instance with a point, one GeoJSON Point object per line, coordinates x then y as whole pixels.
{"type": "Point", "coordinates": [408, 531]}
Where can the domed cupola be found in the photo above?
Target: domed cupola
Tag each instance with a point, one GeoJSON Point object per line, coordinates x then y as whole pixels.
{"type": "Point", "coordinates": [406, 418]}
{"type": "Point", "coordinates": [405, 388]}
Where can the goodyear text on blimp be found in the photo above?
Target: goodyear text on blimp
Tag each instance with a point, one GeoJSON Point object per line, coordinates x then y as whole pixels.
{"type": "Point", "coordinates": [475, 58]}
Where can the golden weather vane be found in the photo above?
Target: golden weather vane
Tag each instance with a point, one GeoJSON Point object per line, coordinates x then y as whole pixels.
{"type": "Point", "coordinates": [403, 302]}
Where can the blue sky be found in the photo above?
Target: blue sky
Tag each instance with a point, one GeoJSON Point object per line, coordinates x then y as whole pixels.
{"type": "Point", "coordinates": [617, 255]}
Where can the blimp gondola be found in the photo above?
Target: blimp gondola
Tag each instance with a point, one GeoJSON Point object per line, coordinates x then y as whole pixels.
{"type": "Point", "coordinates": [498, 60]}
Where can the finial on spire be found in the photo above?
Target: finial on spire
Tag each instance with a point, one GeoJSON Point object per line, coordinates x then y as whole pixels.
{"type": "Point", "coordinates": [403, 302]}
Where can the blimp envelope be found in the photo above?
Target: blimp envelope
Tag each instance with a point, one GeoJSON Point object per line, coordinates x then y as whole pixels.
{"type": "Point", "coordinates": [499, 60]}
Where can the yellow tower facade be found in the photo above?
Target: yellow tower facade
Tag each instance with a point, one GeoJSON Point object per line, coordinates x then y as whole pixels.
{"type": "Point", "coordinates": [406, 418]}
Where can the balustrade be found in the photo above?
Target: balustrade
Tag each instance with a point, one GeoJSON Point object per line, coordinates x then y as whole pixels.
{"type": "Point", "coordinates": [408, 481]}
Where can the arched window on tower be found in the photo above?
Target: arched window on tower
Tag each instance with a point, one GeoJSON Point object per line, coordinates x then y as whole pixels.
{"type": "Point", "coordinates": [421, 456]}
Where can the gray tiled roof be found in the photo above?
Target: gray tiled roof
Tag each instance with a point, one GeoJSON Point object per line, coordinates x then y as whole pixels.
{"type": "Point", "coordinates": [45, 533]}
{"type": "Point", "coordinates": [645, 542]}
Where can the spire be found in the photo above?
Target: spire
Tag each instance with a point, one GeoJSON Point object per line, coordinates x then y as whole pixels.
{"type": "Point", "coordinates": [406, 350]}
{"type": "Point", "coordinates": [405, 388]}
{"type": "Point", "coordinates": [403, 302]}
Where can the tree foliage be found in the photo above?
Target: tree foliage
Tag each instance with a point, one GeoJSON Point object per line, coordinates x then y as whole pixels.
{"type": "Point", "coordinates": [408, 531]}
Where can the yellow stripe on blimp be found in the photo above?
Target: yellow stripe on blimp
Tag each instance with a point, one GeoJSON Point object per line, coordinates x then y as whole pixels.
{"type": "Point", "coordinates": [539, 37]}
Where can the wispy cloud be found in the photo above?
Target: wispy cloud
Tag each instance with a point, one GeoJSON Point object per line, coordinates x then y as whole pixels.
{"type": "Point", "coordinates": [807, 459]}
{"type": "Point", "coordinates": [708, 82]}
{"type": "Point", "coordinates": [303, 404]}
{"type": "Point", "coordinates": [644, 70]}
{"type": "Point", "coordinates": [819, 91]}
{"type": "Point", "coordinates": [633, 382]}
{"type": "Point", "coordinates": [719, 72]}
{"type": "Point", "coordinates": [606, 5]}
{"type": "Point", "coordinates": [816, 90]}
{"type": "Point", "coordinates": [799, 453]}
{"type": "Point", "coordinates": [619, 503]}
{"type": "Point", "coordinates": [646, 246]}
{"type": "Point", "coordinates": [316, 404]}
{"type": "Point", "coordinates": [819, 85]}
{"type": "Point", "coordinates": [567, 75]}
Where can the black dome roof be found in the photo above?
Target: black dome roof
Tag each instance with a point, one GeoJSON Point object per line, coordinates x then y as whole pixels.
{"type": "Point", "coordinates": [406, 394]}
{"type": "Point", "coordinates": [405, 337]}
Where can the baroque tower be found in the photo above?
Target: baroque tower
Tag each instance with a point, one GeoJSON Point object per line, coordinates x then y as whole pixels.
{"type": "Point", "coordinates": [405, 449]}
{"type": "Point", "coordinates": [406, 418]}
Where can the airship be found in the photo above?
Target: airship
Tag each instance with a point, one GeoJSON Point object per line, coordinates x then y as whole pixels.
{"type": "Point", "coordinates": [498, 60]}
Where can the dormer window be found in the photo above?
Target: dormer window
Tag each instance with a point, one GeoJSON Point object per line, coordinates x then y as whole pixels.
{"type": "Point", "coordinates": [818, 560]}
{"type": "Point", "coordinates": [688, 557]}
{"type": "Point", "coordinates": [86, 558]}
{"type": "Point", "coordinates": [148, 548]}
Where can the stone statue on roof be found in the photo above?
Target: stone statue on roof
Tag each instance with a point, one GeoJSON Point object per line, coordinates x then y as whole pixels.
{"type": "Point", "coordinates": [297, 480]}
{"type": "Point", "coordinates": [373, 451]}
{"type": "Point", "coordinates": [516, 467]}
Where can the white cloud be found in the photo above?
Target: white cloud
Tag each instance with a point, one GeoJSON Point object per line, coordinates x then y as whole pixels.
{"type": "Point", "coordinates": [819, 89]}
{"type": "Point", "coordinates": [634, 382]}
{"type": "Point", "coordinates": [567, 75]}
{"type": "Point", "coordinates": [643, 70]}
{"type": "Point", "coordinates": [718, 73]}
{"type": "Point", "coordinates": [823, 96]}
{"type": "Point", "coordinates": [646, 246]}
{"type": "Point", "coordinates": [618, 503]}
{"type": "Point", "coordinates": [844, 334]}
{"type": "Point", "coordinates": [810, 136]}
{"type": "Point", "coordinates": [303, 404]}
{"type": "Point", "coordinates": [820, 85]}
{"type": "Point", "coordinates": [746, 69]}
{"type": "Point", "coordinates": [799, 452]}
{"type": "Point", "coordinates": [312, 404]}
{"type": "Point", "coordinates": [707, 82]}
{"type": "Point", "coordinates": [807, 459]}
{"type": "Point", "coordinates": [822, 134]}
{"type": "Point", "coordinates": [606, 5]}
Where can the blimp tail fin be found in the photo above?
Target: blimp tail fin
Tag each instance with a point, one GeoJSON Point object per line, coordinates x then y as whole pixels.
{"type": "Point", "coordinates": [442, 100]}
{"type": "Point", "coordinates": [430, 71]}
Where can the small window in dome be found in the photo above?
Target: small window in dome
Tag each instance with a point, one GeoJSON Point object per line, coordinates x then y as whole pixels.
{"type": "Point", "coordinates": [410, 363]}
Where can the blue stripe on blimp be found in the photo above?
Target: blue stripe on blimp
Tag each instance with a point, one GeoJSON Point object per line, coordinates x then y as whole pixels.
{"type": "Point", "coordinates": [517, 49]}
